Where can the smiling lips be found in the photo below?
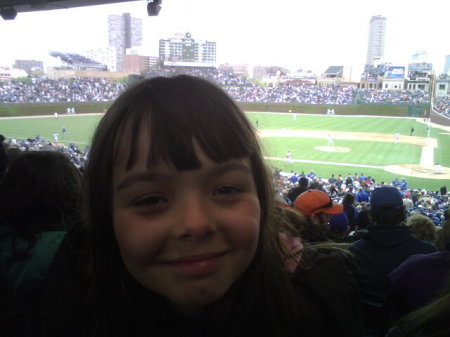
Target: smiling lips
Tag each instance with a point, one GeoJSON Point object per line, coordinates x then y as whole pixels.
{"type": "Point", "coordinates": [199, 265]}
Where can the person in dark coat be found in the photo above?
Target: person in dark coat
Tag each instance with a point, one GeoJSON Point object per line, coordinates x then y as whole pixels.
{"type": "Point", "coordinates": [385, 246]}
{"type": "Point", "coordinates": [41, 194]}
{"type": "Point", "coordinates": [419, 280]}
{"type": "Point", "coordinates": [296, 191]}
{"type": "Point", "coordinates": [350, 209]}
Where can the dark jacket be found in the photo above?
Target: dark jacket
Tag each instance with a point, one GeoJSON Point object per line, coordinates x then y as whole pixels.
{"type": "Point", "coordinates": [295, 192]}
{"type": "Point", "coordinates": [352, 213]}
{"type": "Point", "coordinates": [416, 282]}
{"type": "Point", "coordinates": [327, 290]}
{"type": "Point", "coordinates": [382, 250]}
{"type": "Point", "coordinates": [23, 266]}
{"type": "Point", "coordinates": [330, 294]}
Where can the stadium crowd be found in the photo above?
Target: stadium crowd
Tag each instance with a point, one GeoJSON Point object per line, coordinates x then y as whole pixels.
{"type": "Point", "coordinates": [442, 105]}
{"type": "Point", "coordinates": [38, 90]}
{"type": "Point", "coordinates": [44, 90]}
{"type": "Point", "coordinates": [433, 204]}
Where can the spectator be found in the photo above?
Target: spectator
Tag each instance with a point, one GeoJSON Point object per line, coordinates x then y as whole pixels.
{"type": "Point", "coordinates": [338, 227]}
{"type": "Point", "coordinates": [348, 203]}
{"type": "Point", "coordinates": [431, 320]}
{"type": "Point", "coordinates": [403, 184]}
{"type": "Point", "coordinates": [296, 191]}
{"type": "Point", "coordinates": [418, 280]}
{"type": "Point", "coordinates": [3, 157]}
{"type": "Point", "coordinates": [40, 202]}
{"type": "Point", "coordinates": [332, 180]}
{"type": "Point", "coordinates": [407, 201]}
{"type": "Point", "coordinates": [386, 245]}
{"type": "Point", "coordinates": [361, 196]}
{"type": "Point", "coordinates": [422, 227]}
{"type": "Point", "coordinates": [317, 207]}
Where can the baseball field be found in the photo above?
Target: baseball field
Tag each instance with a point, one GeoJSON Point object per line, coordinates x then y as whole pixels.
{"type": "Point", "coordinates": [326, 144]}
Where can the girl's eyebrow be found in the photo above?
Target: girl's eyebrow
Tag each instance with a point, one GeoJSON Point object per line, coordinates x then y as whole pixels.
{"type": "Point", "coordinates": [150, 176]}
{"type": "Point", "coordinates": [140, 177]}
{"type": "Point", "coordinates": [229, 166]}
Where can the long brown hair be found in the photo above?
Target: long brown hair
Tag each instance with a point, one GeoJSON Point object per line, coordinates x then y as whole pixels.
{"type": "Point", "coordinates": [177, 111]}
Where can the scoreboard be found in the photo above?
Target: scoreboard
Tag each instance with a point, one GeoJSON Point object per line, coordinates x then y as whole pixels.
{"type": "Point", "coordinates": [187, 48]}
{"type": "Point", "coordinates": [185, 51]}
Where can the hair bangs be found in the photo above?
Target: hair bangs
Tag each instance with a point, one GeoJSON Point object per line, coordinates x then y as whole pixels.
{"type": "Point", "coordinates": [182, 111]}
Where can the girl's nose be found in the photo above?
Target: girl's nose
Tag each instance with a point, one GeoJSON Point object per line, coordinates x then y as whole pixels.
{"type": "Point", "coordinates": [195, 219]}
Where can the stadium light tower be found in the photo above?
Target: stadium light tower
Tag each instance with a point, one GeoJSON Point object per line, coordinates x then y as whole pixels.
{"type": "Point", "coordinates": [153, 7]}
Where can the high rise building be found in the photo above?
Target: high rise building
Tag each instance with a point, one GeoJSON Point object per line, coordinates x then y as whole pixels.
{"type": "Point", "coordinates": [124, 32]}
{"type": "Point", "coordinates": [447, 65]}
{"type": "Point", "coordinates": [377, 33]}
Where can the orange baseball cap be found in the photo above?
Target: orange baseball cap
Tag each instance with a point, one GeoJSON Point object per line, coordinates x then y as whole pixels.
{"type": "Point", "coordinates": [312, 202]}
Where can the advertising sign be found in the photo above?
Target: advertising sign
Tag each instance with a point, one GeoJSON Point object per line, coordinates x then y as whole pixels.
{"type": "Point", "coordinates": [394, 72]}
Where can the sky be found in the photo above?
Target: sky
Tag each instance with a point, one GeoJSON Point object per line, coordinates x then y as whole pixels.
{"type": "Point", "coordinates": [308, 35]}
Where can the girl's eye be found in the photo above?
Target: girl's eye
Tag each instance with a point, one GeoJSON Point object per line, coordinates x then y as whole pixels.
{"type": "Point", "coordinates": [227, 190]}
{"type": "Point", "coordinates": [149, 200]}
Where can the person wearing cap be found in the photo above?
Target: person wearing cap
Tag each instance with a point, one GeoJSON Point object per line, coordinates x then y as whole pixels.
{"type": "Point", "coordinates": [385, 246]}
{"type": "Point", "coordinates": [403, 184]}
{"type": "Point", "coordinates": [338, 227]}
{"type": "Point", "coordinates": [317, 206]}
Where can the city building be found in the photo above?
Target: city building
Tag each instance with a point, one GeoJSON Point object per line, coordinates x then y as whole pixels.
{"type": "Point", "coordinates": [237, 69]}
{"type": "Point", "coordinates": [270, 75]}
{"type": "Point", "coordinates": [333, 75]}
{"type": "Point", "coordinates": [183, 50]}
{"type": "Point", "coordinates": [137, 64]}
{"type": "Point", "coordinates": [447, 65]}
{"type": "Point", "coordinates": [124, 32]}
{"type": "Point", "coordinates": [105, 55]}
{"type": "Point", "coordinates": [383, 77]}
{"type": "Point", "coordinates": [30, 66]}
{"type": "Point", "coordinates": [377, 34]}
{"type": "Point", "coordinates": [420, 72]}
{"type": "Point", "coordinates": [442, 86]}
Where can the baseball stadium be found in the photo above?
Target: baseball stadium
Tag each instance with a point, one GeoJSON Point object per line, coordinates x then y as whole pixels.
{"type": "Point", "coordinates": [382, 147]}
{"type": "Point", "coordinates": [136, 199]}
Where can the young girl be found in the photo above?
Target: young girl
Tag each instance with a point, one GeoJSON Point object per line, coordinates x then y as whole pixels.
{"type": "Point", "coordinates": [180, 206]}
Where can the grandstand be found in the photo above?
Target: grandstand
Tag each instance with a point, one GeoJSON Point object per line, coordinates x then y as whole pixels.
{"type": "Point", "coordinates": [73, 61]}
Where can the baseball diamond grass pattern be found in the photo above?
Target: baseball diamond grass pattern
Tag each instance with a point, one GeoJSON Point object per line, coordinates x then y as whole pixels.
{"type": "Point", "coordinates": [366, 153]}
{"type": "Point", "coordinates": [374, 154]}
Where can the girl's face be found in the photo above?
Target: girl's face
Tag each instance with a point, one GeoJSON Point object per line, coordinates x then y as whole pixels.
{"type": "Point", "coordinates": [186, 235]}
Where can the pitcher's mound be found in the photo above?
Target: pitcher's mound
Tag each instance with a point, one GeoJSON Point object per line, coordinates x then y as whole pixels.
{"type": "Point", "coordinates": [332, 149]}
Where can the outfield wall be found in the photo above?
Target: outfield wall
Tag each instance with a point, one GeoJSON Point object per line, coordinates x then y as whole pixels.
{"type": "Point", "coordinates": [405, 110]}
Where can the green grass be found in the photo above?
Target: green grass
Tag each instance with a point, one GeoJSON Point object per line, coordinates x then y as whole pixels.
{"type": "Point", "coordinates": [79, 129]}
{"type": "Point", "coordinates": [338, 123]}
{"type": "Point", "coordinates": [377, 154]}
{"type": "Point", "coordinates": [303, 148]}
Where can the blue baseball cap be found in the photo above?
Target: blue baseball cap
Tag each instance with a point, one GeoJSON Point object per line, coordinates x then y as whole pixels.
{"type": "Point", "coordinates": [339, 222]}
{"type": "Point", "coordinates": [386, 199]}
